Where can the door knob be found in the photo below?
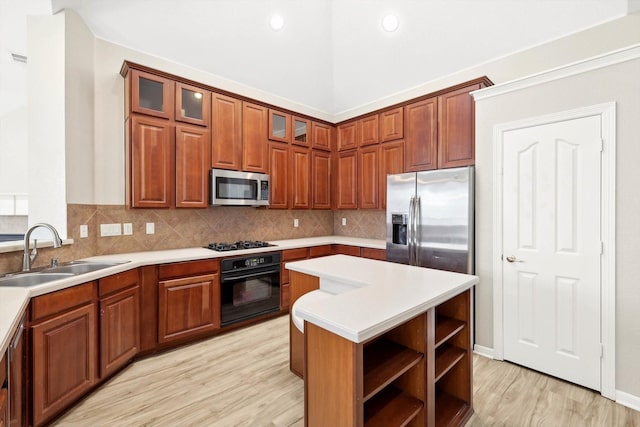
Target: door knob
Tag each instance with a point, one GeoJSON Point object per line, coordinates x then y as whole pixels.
{"type": "Point", "coordinates": [513, 259]}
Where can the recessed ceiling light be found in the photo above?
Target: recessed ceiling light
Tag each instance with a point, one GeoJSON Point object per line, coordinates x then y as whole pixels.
{"type": "Point", "coordinates": [277, 22]}
{"type": "Point", "coordinates": [390, 23]}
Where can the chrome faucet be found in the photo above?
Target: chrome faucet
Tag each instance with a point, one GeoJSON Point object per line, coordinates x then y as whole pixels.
{"type": "Point", "coordinates": [28, 258]}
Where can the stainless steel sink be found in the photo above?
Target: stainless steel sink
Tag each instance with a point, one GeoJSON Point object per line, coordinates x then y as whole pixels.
{"type": "Point", "coordinates": [49, 274]}
{"type": "Point", "coordinates": [32, 279]}
{"type": "Point", "coordinates": [80, 267]}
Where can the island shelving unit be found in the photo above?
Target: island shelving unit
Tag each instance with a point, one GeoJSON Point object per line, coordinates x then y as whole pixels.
{"type": "Point", "coordinates": [406, 363]}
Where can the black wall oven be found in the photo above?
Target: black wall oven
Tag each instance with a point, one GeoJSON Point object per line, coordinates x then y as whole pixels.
{"type": "Point", "coordinates": [249, 286]}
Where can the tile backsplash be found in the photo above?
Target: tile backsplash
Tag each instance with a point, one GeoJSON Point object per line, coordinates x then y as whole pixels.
{"type": "Point", "coordinates": [176, 228]}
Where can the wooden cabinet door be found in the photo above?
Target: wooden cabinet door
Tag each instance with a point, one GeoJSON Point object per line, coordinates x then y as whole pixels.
{"type": "Point", "coordinates": [421, 131]}
{"type": "Point", "coordinates": [278, 176]}
{"type": "Point", "coordinates": [279, 126]}
{"type": "Point", "coordinates": [151, 162]}
{"type": "Point", "coordinates": [254, 138]}
{"type": "Point", "coordinates": [300, 178]}
{"type": "Point", "coordinates": [456, 128]}
{"type": "Point", "coordinates": [64, 359]}
{"type": "Point", "coordinates": [17, 369]}
{"type": "Point", "coordinates": [320, 179]}
{"type": "Point", "coordinates": [391, 161]}
{"type": "Point", "coordinates": [391, 125]}
{"type": "Point", "coordinates": [347, 136]}
{"type": "Point", "coordinates": [301, 131]}
{"type": "Point", "coordinates": [188, 306]}
{"type": "Point", "coordinates": [4, 406]}
{"type": "Point", "coordinates": [368, 131]}
{"type": "Point", "coordinates": [119, 329]}
{"type": "Point", "coordinates": [321, 136]}
{"type": "Point", "coordinates": [368, 179]}
{"type": "Point", "coordinates": [193, 105]}
{"type": "Point", "coordinates": [193, 145]}
{"type": "Point", "coordinates": [347, 173]}
{"type": "Point", "coordinates": [151, 95]}
{"type": "Point", "coordinates": [226, 131]}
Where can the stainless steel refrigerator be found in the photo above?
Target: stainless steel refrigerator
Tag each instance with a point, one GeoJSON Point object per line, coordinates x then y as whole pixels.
{"type": "Point", "coordinates": [430, 219]}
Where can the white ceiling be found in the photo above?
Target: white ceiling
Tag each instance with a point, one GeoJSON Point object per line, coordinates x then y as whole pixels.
{"type": "Point", "coordinates": [332, 55]}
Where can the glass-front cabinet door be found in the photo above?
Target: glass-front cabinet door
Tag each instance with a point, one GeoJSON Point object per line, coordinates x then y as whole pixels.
{"type": "Point", "coordinates": [279, 126]}
{"type": "Point", "coordinates": [151, 95]}
{"type": "Point", "coordinates": [193, 104]}
{"type": "Point", "coordinates": [301, 131]}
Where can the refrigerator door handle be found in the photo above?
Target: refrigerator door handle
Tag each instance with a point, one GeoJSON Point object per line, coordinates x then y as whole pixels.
{"type": "Point", "coordinates": [411, 236]}
{"type": "Point", "coordinates": [416, 230]}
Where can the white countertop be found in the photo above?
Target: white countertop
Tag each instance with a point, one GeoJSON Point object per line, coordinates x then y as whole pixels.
{"type": "Point", "coordinates": [372, 296]}
{"type": "Point", "coordinates": [13, 300]}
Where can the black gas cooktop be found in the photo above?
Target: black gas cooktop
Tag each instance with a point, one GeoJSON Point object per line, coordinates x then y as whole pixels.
{"type": "Point", "coordinates": [241, 244]}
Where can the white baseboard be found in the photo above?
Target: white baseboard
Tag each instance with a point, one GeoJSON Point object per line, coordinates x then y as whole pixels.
{"type": "Point", "coordinates": [628, 400]}
{"type": "Point", "coordinates": [483, 351]}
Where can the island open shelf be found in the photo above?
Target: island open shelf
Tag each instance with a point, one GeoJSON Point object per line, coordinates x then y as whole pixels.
{"type": "Point", "coordinates": [382, 368]}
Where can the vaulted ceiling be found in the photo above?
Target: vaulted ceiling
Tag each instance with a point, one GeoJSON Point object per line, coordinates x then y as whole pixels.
{"type": "Point", "coordinates": [333, 55]}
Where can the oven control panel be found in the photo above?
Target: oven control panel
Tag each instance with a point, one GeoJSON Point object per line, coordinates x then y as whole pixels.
{"type": "Point", "coordinates": [250, 262]}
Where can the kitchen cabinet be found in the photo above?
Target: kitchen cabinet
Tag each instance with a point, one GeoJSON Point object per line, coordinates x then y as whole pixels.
{"type": "Point", "coordinates": [188, 300]}
{"type": "Point", "coordinates": [321, 136]}
{"type": "Point", "coordinates": [347, 136]}
{"type": "Point", "coordinates": [421, 135]}
{"type": "Point", "coordinates": [368, 132]}
{"type": "Point", "coordinates": [300, 175]}
{"type": "Point", "coordinates": [149, 94]}
{"type": "Point", "coordinates": [119, 320]}
{"type": "Point", "coordinates": [278, 176]}
{"type": "Point", "coordinates": [320, 179]}
{"type": "Point", "coordinates": [346, 250]}
{"type": "Point", "coordinates": [279, 126]}
{"type": "Point", "coordinates": [254, 141]}
{"type": "Point", "coordinates": [391, 162]}
{"type": "Point", "coordinates": [4, 392]}
{"type": "Point", "coordinates": [193, 159]}
{"type": "Point", "coordinates": [226, 132]}
{"type": "Point", "coordinates": [64, 349]}
{"type": "Point", "coordinates": [456, 128]}
{"type": "Point", "coordinates": [373, 253]}
{"type": "Point", "coordinates": [347, 180]}
{"type": "Point", "coordinates": [150, 159]}
{"type": "Point", "coordinates": [368, 179]}
{"type": "Point", "coordinates": [17, 377]}
{"type": "Point", "coordinates": [193, 105]}
{"type": "Point", "coordinates": [301, 132]}
{"type": "Point", "coordinates": [391, 125]}
{"type": "Point", "coordinates": [289, 255]}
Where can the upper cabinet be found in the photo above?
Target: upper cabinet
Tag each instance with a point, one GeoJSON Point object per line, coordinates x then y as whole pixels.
{"type": "Point", "coordinates": [193, 105]}
{"type": "Point", "coordinates": [226, 132]}
{"type": "Point", "coordinates": [421, 132]}
{"type": "Point", "coordinates": [151, 94]}
{"type": "Point", "coordinates": [368, 131]}
{"type": "Point", "coordinates": [347, 136]}
{"type": "Point", "coordinates": [391, 125]}
{"type": "Point", "coordinates": [254, 143]}
{"type": "Point", "coordinates": [321, 136]}
{"type": "Point", "coordinates": [279, 126]}
{"type": "Point", "coordinates": [301, 131]}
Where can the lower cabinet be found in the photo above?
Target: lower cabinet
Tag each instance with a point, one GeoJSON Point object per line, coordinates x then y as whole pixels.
{"type": "Point", "coordinates": [119, 321]}
{"type": "Point", "coordinates": [64, 349]}
{"type": "Point", "coordinates": [4, 395]}
{"type": "Point", "coordinates": [188, 306]}
{"type": "Point", "coordinates": [17, 358]}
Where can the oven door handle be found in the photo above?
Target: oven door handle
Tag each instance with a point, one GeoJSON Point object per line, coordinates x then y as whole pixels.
{"type": "Point", "coordinates": [248, 276]}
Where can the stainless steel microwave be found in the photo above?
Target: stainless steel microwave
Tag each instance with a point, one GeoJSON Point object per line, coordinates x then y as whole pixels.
{"type": "Point", "coordinates": [233, 188]}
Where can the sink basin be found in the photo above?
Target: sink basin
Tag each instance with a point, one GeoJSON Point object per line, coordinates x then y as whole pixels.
{"type": "Point", "coordinates": [32, 279]}
{"type": "Point", "coordinates": [80, 267]}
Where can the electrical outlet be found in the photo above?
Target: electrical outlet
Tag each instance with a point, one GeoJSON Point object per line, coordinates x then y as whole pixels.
{"type": "Point", "coordinates": [344, 221]}
{"type": "Point", "coordinates": [84, 231]}
{"type": "Point", "coordinates": [127, 229]}
{"type": "Point", "coordinates": [110, 230]}
{"type": "Point", "coordinates": [296, 223]}
{"type": "Point", "coordinates": [151, 228]}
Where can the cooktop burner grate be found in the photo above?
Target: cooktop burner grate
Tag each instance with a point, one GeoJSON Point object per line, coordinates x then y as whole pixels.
{"type": "Point", "coordinates": [240, 244]}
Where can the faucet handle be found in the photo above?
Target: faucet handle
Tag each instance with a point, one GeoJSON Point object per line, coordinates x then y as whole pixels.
{"type": "Point", "coordinates": [54, 262]}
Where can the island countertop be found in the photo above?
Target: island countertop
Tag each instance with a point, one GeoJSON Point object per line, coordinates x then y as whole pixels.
{"type": "Point", "coordinates": [370, 296]}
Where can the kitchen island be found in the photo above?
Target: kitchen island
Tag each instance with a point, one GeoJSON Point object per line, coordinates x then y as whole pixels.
{"type": "Point", "coordinates": [383, 343]}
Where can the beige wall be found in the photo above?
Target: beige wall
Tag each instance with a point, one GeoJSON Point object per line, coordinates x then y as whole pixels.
{"type": "Point", "coordinates": [619, 83]}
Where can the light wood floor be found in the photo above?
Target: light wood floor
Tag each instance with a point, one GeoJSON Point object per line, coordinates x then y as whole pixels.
{"type": "Point", "coordinates": [243, 379]}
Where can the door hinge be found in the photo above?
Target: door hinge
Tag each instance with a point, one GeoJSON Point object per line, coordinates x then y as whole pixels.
{"type": "Point", "coordinates": [601, 247]}
{"type": "Point", "coordinates": [601, 350]}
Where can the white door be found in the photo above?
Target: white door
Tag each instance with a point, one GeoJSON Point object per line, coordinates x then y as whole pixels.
{"type": "Point", "coordinates": [551, 249]}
